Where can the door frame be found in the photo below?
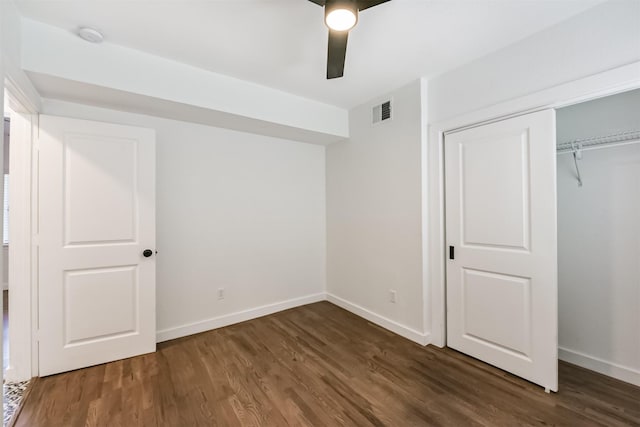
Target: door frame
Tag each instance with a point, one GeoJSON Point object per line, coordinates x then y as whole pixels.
{"type": "Point", "coordinates": [23, 358]}
{"type": "Point", "coordinates": [617, 80]}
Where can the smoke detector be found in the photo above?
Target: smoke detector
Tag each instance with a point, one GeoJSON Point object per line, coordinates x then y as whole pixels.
{"type": "Point", "coordinates": [90, 34]}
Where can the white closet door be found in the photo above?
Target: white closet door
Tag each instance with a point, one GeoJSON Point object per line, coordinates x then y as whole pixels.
{"type": "Point", "coordinates": [96, 219]}
{"type": "Point", "coordinates": [501, 232]}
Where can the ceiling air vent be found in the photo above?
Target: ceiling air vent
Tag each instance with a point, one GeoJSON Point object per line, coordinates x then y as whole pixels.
{"type": "Point", "coordinates": [382, 112]}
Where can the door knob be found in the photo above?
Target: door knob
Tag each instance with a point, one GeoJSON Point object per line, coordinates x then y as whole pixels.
{"type": "Point", "coordinates": [147, 253]}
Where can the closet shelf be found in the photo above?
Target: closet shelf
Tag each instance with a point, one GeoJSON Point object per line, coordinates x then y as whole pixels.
{"type": "Point", "coordinates": [622, 137]}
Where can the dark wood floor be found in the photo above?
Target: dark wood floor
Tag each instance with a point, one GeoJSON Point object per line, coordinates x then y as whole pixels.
{"type": "Point", "coordinates": [318, 365]}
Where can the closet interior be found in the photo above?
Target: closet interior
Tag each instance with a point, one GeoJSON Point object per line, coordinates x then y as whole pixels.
{"type": "Point", "coordinates": [598, 168]}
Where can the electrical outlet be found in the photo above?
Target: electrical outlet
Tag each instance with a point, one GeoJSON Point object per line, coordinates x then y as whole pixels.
{"type": "Point", "coordinates": [392, 296]}
{"type": "Point", "coordinates": [220, 293]}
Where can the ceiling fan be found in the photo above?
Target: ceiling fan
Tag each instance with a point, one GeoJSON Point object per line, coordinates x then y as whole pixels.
{"type": "Point", "coordinates": [341, 16]}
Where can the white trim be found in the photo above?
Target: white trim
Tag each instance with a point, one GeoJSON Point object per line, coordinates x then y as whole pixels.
{"type": "Point", "coordinates": [237, 317]}
{"type": "Point", "coordinates": [35, 253]}
{"type": "Point", "coordinates": [391, 325]}
{"type": "Point", "coordinates": [434, 218]}
{"type": "Point", "coordinates": [20, 250]}
{"type": "Point", "coordinates": [424, 206]}
{"type": "Point", "coordinates": [24, 96]}
{"type": "Point", "coordinates": [610, 82]}
{"type": "Point", "coordinates": [620, 372]}
{"type": "Point", "coordinates": [25, 101]}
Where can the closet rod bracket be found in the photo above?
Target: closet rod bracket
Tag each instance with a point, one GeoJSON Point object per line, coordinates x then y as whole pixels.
{"type": "Point", "coordinates": [577, 155]}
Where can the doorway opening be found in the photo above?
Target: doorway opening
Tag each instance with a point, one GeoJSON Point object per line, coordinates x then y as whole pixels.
{"type": "Point", "coordinates": [598, 179]}
{"type": "Point", "coordinates": [16, 235]}
{"type": "Point", "coordinates": [491, 175]}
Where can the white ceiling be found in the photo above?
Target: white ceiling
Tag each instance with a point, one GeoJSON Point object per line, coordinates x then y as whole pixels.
{"type": "Point", "coordinates": [282, 43]}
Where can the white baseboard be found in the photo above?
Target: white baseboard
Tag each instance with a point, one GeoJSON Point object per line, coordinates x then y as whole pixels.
{"type": "Point", "coordinates": [622, 373]}
{"type": "Point", "coordinates": [12, 375]}
{"type": "Point", "coordinates": [5, 286]}
{"type": "Point", "coordinates": [265, 310]}
{"type": "Point", "coordinates": [237, 317]}
{"type": "Point", "coordinates": [8, 375]}
{"type": "Point", "coordinates": [391, 325]}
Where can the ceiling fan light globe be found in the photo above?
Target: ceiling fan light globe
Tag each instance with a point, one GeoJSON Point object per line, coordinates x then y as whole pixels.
{"type": "Point", "coordinates": [341, 19]}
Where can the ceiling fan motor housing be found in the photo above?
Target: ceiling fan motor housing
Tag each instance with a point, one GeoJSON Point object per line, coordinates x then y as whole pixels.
{"type": "Point", "coordinates": [335, 5]}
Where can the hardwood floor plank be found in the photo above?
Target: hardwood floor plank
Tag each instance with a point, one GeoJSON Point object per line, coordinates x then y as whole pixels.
{"type": "Point", "coordinates": [318, 365]}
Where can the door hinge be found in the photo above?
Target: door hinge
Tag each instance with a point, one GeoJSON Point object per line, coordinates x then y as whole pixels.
{"type": "Point", "coordinates": [452, 252]}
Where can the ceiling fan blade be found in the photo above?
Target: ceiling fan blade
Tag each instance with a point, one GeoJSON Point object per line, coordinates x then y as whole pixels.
{"type": "Point", "coordinates": [336, 53]}
{"type": "Point", "coordinates": [318, 2]}
{"type": "Point", "coordinates": [366, 4]}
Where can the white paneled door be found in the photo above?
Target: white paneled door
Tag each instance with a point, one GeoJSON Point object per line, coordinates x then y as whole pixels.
{"type": "Point", "coordinates": [96, 243]}
{"type": "Point", "coordinates": [501, 237]}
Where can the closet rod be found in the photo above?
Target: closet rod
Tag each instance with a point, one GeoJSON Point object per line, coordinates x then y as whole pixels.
{"type": "Point", "coordinates": [618, 138]}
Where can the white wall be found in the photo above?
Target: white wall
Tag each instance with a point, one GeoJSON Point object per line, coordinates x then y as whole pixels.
{"type": "Point", "coordinates": [255, 107]}
{"type": "Point", "coordinates": [603, 38]}
{"type": "Point", "coordinates": [599, 39]}
{"type": "Point", "coordinates": [10, 29]}
{"type": "Point", "coordinates": [599, 241]}
{"type": "Point", "coordinates": [11, 53]}
{"type": "Point", "coordinates": [598, 258]}
{"type": "Point", "coordinates": [234, 210]}
{"type": "Point", "coordinates": [600, 117]}
{"type": "Point", "coordinates": [374, 215]}
{"type": "Point", "coordinates": [373, 210]}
